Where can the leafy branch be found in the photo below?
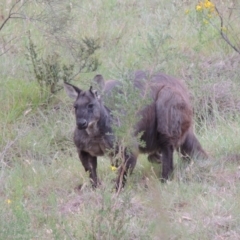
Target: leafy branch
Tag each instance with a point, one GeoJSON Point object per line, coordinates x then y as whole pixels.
{"type": "Point", "coordinates": [49, 71]}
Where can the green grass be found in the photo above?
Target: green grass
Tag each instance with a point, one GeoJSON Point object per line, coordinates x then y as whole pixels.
{"type": "Point", "coordinates": [40, 173]}
{"type": "Point", "coordinates": [200, 202]}
{"type": "Point", "coordinates": [20, 97]}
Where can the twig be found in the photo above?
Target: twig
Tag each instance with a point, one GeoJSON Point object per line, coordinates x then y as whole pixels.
{"type": "Point", "coordinates": [122, 170]}
{"type": "Point", "coordinates": [6, 44]}
{"type": "Point", "coordinates": [10, 14]}
{"type": "Point", "coordinates": [7, 147]}
{"type": "Point", "coordinates": [224, 36]}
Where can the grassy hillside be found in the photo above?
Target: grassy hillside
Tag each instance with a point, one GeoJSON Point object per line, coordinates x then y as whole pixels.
{"type": "Point", "coordinates": [40, 173]}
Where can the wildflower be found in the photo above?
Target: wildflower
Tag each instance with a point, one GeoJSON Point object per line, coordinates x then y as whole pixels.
{"type": "Point", "coordinates": [113, 168]}
{"type": "Point", "coordinates": [209, 16]}
{"type": "Point", "coordinates": [224, 29]}
{"type": "Point", "coordinates": [187, 11]}
{"type": "Point", "coordinates": [8, 201]}
{"type": "Point", "coordinates": [199, 8]}
{"type": "Point", "coordinates": [208, 4]}
{"type": "Point", "coordinates": [205, 21]}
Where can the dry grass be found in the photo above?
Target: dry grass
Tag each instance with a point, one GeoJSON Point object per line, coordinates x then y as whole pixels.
{"type": "Point", "coordinates": [44, 191]}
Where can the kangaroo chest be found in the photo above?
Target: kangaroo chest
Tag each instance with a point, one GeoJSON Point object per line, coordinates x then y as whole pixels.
{"type": "Point", "coordinates": [94, 145]}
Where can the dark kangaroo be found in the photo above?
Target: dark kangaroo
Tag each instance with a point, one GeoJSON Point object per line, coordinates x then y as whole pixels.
{"type": "Point", "coordinates": [166, 123]}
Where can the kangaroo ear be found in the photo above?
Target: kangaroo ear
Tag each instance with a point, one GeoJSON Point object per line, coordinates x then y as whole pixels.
{"type": "Point", "coordinates": [99, 80]}
{"type": "Point", "coordinates": [94, 93]}
{"type": "Point", "coordinates": [72, 91]}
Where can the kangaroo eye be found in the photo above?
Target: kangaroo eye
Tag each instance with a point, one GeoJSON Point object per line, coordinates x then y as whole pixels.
{"type": "Point", "coordinates": [90, 106]}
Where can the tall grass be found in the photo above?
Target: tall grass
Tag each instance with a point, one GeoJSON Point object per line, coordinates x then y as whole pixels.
{"type": "Point", "coordinates": [44, 191]}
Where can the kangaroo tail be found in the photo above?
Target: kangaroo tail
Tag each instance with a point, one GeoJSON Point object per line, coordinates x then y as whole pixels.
{"type": "Point", "coordinates": [191, 147]}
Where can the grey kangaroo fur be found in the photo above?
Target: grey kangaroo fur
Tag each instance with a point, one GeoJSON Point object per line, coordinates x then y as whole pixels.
{"type": "Point", "coordinates": [166, 123]}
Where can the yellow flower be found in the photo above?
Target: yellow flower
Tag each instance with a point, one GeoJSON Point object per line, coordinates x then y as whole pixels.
{"type": "Point", "coordinates": [113, 168]}
{"type": "Point", "coordinates": [8, 201]}
{"type": "Point", "coordinates": [224, 29]}
{"type": "Point", "coordinates": [205, 21]}
{"type": "Point", "coordinates": [199, 8]}
{"type": "Point", "coordinates": [187, 11]}
{"type": "Point", "coordinates": [208, 4]}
